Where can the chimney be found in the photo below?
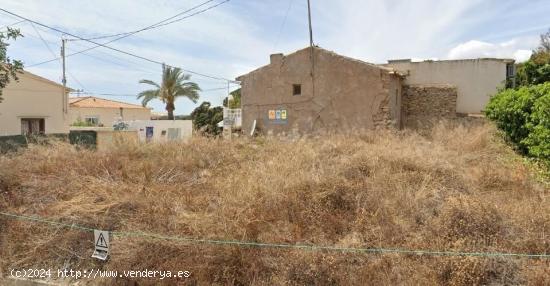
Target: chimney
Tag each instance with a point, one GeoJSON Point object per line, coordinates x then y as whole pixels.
{"type": "Point", "coordinates": [276, 58]}
{"type": "Point", "coordinates": [399, 61]}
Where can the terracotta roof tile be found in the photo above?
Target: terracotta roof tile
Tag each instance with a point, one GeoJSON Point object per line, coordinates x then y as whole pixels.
{"type": "Point", "coordinates": [96, 102]}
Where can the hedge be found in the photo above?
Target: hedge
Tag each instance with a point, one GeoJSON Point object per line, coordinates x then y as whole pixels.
{"type": "Point", "coordinates": [524, 116]}
{"type": "Point", "coordinates": [14, 142]}
{"type": "Point", "coordinates": [85, 138]}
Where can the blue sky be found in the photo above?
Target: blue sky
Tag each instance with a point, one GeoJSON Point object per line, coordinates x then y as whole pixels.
{"type": "Point", "coordinates": [239, 36]}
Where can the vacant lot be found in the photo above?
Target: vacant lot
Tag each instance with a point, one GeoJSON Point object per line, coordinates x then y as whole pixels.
{"type": "Point", "coordinates": [454, 188]}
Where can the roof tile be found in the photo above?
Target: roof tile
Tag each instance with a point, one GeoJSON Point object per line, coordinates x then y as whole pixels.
{"type": "Point", "coordinates": [96, 102]}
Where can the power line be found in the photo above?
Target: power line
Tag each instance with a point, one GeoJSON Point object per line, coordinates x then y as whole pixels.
{"type": "Point", "coordinates": [51, 51]}
{"type": "Point", "coordinates": [125, 35]}
{"type": "Point", "coordinates": [101, 59]}
{"type": "Point", "coordinates": [19, 22]}
{"type": "Point", "coordinates": [158, 24]}
{"type": "Point", "coordinates": [126, 62]}
{"type": "Point", "coordinates": [135, 65]}
{"type": "Point", "coordinates": [138, 68]}
{"type": "Point", "coordinates": [305, 247]}
{"type": "Point", "coordinates": [111, 48]}
{"type": "Point", "coordinates": [135, 95]}
{"type": "Point", "coordinates": [283, 24]}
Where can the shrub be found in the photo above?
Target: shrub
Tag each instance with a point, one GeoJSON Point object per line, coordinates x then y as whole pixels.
{"type": "Point", "coordinates": [538, 139]}
{"type": "Point", "coordinates": [524, 115]}
{"type": "Point", "coordinates": [206, 119]}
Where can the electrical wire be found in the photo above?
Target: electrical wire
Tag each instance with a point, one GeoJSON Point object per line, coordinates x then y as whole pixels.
{"type": "Point", "coordinates": [125, 65]}
{"type": "Point", "coordinates": [283, 24]}
{"type": "Point", "coordinates": [298, 246]}
{"type": "Point", "coordinates": [125, 61]}
{"type": "Point", "coordinates": [156, 25]}
{"type": "Point", "coordinates": [125, 35]}
{"type": "Point", "coordinates": [111, 48]}
{"type": "Point", "coordinates": [51, 51]}
{"type": "Point", "coordinates": [135, 95]}
{"type": "Point", "coordinates": [84, 89]}
{"type": "Point", "coordinates": [6, 26]}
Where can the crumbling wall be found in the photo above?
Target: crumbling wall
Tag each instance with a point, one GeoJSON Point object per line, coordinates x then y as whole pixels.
{"type": "Point", "coordinates": [426, 104]}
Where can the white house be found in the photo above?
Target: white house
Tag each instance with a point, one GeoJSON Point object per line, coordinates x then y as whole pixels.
{"type": "Point", "coordinates": [97, 111]}
{"type": "Point", "coordinates": [34, 105]}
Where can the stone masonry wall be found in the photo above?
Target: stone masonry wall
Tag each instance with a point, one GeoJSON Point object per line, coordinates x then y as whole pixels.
{"type": "Point", "coordinates": [426, 104]}
{"type": "Point", "coordinates": [343, 95]}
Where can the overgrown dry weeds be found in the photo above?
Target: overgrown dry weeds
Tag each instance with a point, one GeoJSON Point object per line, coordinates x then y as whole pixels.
{"type": "Point", "coordinates": [454, 189]}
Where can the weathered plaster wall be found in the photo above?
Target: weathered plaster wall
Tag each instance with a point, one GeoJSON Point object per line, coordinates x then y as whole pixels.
{"type": "Point", "coordinates": [476, 80]}
{"type": "Point", "coordinates": [346, 94]}
{"type": "Point", "coordinates": [106, 139]}
{"type": "Point", "coordinates": [423, 104]}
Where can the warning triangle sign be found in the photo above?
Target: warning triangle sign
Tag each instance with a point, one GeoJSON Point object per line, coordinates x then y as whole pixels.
{"type": "Point", "coordinates": [101, 242]}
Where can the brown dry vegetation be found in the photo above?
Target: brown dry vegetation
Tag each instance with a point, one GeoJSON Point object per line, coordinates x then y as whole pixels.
{"type": "Point", "coordinates": [455, 188]}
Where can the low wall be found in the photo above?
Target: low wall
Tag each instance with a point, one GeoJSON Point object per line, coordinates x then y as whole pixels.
{"type": "Point", "coordinates": [101, 138]}
{"type": "Point", "coordinates": [162, 130]}
{"type": "Point", "coordinates": [426, 104]}
{"type": "Point", "coordinates": [106, 139]}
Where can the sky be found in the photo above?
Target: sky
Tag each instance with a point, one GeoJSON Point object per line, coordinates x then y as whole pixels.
{"type": "Point", "coordinates": [237, 37]}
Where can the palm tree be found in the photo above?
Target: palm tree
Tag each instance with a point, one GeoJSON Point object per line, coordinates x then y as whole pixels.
{"type": "Point", "coordinates": [174, 84]}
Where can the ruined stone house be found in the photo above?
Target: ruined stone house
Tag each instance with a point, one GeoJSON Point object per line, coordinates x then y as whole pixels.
{"type": "Point", "coordinates": [315, 89]}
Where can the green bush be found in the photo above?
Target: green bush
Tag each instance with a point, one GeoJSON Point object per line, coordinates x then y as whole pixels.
{"type": "Point", "coordinates": [524, 115]}
{"type": "Point", "coordinates": [538, 140]}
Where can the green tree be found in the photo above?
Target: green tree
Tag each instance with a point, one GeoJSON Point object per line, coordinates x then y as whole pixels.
{"type": "Point", "coordinates": [235, 102]}
{"type": "Point", "coordinates": [174, 84]}
{"type": "Point", "coordinates": [8, 67]}
{"type": "Point", "coordinates": [206, 118]}
{"type": "Point", "coordinates": [537, 69]}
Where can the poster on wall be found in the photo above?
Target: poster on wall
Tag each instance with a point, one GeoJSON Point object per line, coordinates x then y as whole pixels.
{"type": "Point", "coordinates": [271, 115]}
{"type": "Point", "coordinates": [277, 116]}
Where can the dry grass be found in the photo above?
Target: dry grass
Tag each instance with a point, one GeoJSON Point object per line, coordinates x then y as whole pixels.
{"type": "Point", "coordinates": [455, 188]}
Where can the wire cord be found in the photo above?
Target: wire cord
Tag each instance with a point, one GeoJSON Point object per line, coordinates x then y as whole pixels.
{"type": "Point", "coordinates": [311, 247]}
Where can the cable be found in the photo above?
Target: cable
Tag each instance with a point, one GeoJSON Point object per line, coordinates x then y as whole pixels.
{"type": "Point", "coordinates": [147, 28]}
{"type": "Point", "coordinates": [109, 47]}
{"type": "Point", "coordinates": [139, 68]}
{"type": "Point", "coordinates": [19, 22]}
{"type": "Point", "coordinates": [125, 35]}
{"type": "Point", "coordinates": [135, 66]}
{"type": "Point", "coordinates": [125, 64]}
{"type": "Point", "coordinates": [51, 51]}
{"type": "Point", "coordinates": [283, 24]}
{"type": "Point", "coordinates": [310, 247]}
{"type": "Point", "coordinates": [156, 25]}
{"type": "Point", "coordinates": [135, 95]}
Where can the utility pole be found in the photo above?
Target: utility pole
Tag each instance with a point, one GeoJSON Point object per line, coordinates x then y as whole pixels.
{"type": "Point", "coordinates": [312, 57]}
{"type": "Point", "coordinates": [64, 80]}
{"type": "Point", "coordinates": [310, 28]}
